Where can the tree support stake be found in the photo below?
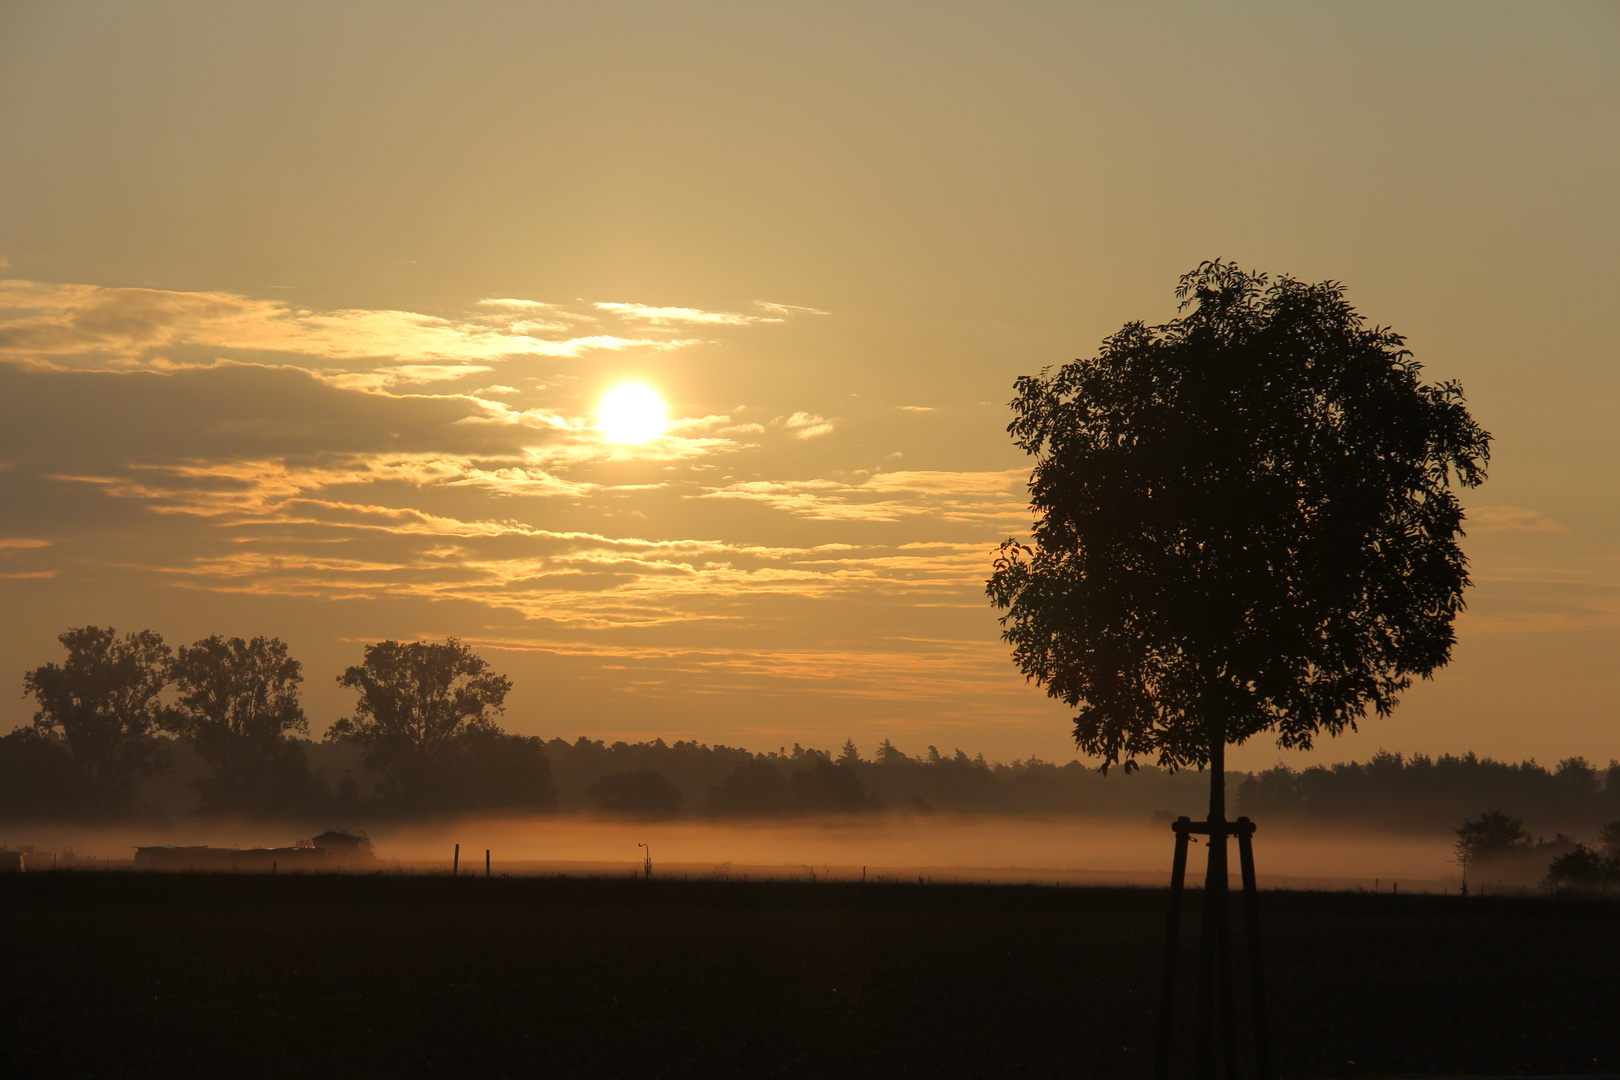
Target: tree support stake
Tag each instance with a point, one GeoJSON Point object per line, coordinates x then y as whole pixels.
{"type": "Point", "coordinates": [1215, 974]}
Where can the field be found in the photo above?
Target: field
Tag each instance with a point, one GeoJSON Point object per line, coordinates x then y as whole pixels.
{"type": "Point", "coordinates": [124, 974]}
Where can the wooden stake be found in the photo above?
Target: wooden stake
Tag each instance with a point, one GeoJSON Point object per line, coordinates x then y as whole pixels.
{"type": "Point", "coordinates": [1257, 985]}
{"type": "Point", "coordinates": [1172, 938]}
{"type": "Point", "coordinates": [455, 862]}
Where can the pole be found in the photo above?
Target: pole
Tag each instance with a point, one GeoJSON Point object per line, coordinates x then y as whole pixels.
{"type": "Point", "coordinates": [1172, 937]}
{"type": "Point", "coordinates": [486, 862]}
{"type": "Point", "coordinates": [455, 862]}
{"type": "Point", "coordinates": [1257, 985]}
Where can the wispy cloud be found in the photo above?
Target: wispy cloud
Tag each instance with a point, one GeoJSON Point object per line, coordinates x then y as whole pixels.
{"type": "Point", "coordinates": [217, 442]}
{"type": "Point", "coordinates": [786, 309]}
{"type": "Point", "coordinates": [994, 499]}
{"type": "Point", "coordinates": [662, 315]}
{"type": "Point", "coordinates": [1511, 519]}
{"type": "Point", "coordinates": [808, 425]}
{"type": "Point", "coordinates": [61, 324]}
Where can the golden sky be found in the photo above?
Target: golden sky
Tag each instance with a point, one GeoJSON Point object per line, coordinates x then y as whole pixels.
{"type": "Point", "coordinates": [309, 309]}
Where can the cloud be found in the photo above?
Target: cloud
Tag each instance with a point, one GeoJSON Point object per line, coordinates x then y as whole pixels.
{"type": "Point", "coordinates": [696, 316]}
{"type": "Point", "coordinates": [808, 425]}
{"type": "Point", "coordinates": [46, 323]}
{"type": "Point", "coordinates": [787, 309]}
{"type": "Point", "coordinates": [271, 481]}
{"type": "Point", "coordinates": [916, 408]}
{"type": "Point", "coordinates": [995, 499]}
{"type": "Point", "coordinates": [1510, 519]}
{"type": "Point", "coordinates": [216, 442]}
{"type": "Point", "coordinates": [520, 305]}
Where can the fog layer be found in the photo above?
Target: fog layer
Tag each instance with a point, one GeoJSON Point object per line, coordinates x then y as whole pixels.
{"type": "Point", "coordinates": [941, 847]}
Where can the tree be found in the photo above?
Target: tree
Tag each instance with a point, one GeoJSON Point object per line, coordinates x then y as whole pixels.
{"type": "Point", "coordinates": [821, 787]}
{"type": "Point", "coordinates": [643, 793]}
{"type": "Point", "coordinates": [38, 779]}
{"type": "Point", "coordinates": [417, 700]}
{"type": "Point", "coordinates": [103, 701]}
{"type": "Point", "coordinates": [491, 770]}
{"type": "Point", "coordinates": [1609, 840]}
{"type": "Point", "coordinates": [1492, 835]}
{"type": "Point", "coordinates": [755, 788]}
{"type": "Point", "coordinates": [1582, 869]}
{"type": "Point", "coordinates": [1244, 523]}
{"type": "Point", "coordinates": [237, 702]}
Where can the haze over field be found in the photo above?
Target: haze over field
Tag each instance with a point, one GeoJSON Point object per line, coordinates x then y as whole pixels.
{"type": "Point", "coordinates": [948, 847]}
{"type": "Point", "coordinates": [311, 312]}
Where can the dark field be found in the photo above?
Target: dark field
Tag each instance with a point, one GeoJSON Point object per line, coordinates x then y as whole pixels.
{"type": "Point", "coordinates": [122, 974]}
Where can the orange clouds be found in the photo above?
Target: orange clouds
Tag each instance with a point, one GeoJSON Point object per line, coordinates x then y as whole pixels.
{"type": "Point", "coordinates": [48, 323]}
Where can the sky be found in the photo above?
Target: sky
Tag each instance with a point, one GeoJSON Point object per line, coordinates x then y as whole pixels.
{"type": "Point", "coordinates": [308, 310]}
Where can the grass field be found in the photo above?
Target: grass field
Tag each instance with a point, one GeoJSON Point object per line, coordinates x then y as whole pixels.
{"type": "Point", "coordinates": [123, 974]}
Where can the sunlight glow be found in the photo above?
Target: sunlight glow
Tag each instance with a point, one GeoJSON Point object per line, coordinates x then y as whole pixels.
{"type": "Point", "coordinates": [631, 413]}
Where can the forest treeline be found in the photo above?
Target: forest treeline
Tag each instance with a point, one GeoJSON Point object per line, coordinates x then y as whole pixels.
{"type": "Point", "coordinates": [127, 729]}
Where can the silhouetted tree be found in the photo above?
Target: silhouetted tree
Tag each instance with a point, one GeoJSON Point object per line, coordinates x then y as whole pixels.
{"type": "Point", "coordinates": [1244, 523]}
{"type": "Point", "coordinates": [849, 757]}
{"type": "Point", "coordinates": [237, 702]}
{"type": "Point", "coordinates": [821, 787]}
{"type": "Point", "coordinates": [1491, 835]}
{"type": "Point", "coordinates": [492, 770]}
{"type": "Point", "coordinates": [1582, 869]}
{"type": "Point", "coordinates": [416, 700]}
{"type": "Point", "coordinates": [38, 779]}
{"type": "Point", "coordinates": [103, 701]}
{"type": "Point", "coordinates": [643, 793]}
{"type": "Point", "coordinates": [1609, 840]}
{"type": "Point", "coordinates": [755, 788]}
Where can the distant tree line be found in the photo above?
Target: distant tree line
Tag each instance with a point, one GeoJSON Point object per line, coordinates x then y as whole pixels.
{"type": "Point", "coordinates": [659, 779]}
{"type": "Point", "coordinates": [123, 718]}
{"type": "Point", "coordinates": [1422, 792]}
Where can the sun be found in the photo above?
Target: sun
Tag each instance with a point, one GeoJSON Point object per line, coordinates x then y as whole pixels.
{"type": "Point", "coordinates": [631, 413]}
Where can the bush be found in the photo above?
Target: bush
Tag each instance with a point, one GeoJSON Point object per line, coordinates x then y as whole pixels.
{"type": "Point", "coordinates": [1582, 870]}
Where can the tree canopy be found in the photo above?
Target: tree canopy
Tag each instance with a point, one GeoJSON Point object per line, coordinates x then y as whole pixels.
{"type": "Point", "coordinates": [238, 700]}
{"type": "Point", "coordinates": [1492, 833]}
{"type": "Point", "coordinates": [416, 700]}
{"type": "Point", "coordinates": [235, 697]}
{"type": "Point", "coordinates": [103, 700]}
{"type": "Point", "coordinates": [1244, 522]}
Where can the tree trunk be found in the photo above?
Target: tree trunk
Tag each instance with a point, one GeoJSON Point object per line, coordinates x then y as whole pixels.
{"type": "Point", "coordinates": [1217, 772]}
